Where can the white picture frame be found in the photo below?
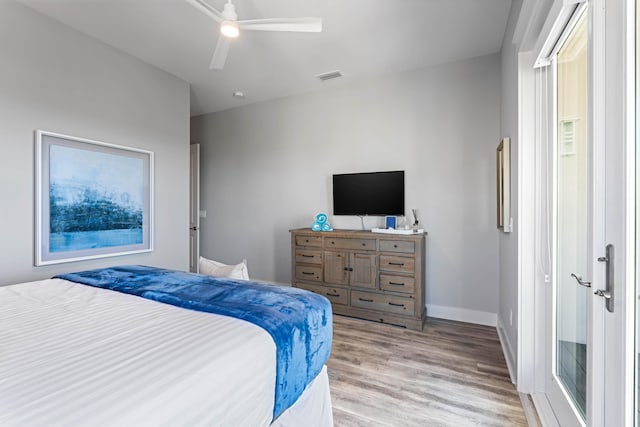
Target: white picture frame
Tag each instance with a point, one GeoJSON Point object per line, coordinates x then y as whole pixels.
{"type": "Point", "coordinates": [93, 199]}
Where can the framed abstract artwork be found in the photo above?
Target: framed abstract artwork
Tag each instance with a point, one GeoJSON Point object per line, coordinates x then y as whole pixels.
{"type": "Point", "coordinates": [93, 199]}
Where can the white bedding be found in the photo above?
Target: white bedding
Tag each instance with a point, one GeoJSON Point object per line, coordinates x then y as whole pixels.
{"type": "Point", "coordinates": [72, 354]}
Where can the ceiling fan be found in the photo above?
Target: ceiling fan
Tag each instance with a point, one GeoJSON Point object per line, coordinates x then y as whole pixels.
{"type": "Point", "coordinates": [230, 27]}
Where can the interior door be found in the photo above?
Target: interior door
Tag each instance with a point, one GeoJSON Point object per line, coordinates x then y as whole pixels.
{"type": "Point", "coordinates": [194, 208]}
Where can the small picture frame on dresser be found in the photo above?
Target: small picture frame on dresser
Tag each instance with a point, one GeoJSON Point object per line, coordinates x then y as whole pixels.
{"type": "Point", "coordinates": [390, 221]}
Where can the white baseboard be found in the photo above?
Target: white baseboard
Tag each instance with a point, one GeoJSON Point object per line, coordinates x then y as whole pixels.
{"type": "Point", "coordinates": [507, 349]}
{"type": "Point", "coordinates": [545, 413]}
{"type": "Point", "coordinates": [462, 315]}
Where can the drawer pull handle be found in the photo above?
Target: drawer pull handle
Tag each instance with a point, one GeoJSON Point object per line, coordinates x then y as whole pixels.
{"type": "Point", "coordinates": [366, 300]}
{"type": "Point", "coordinates": [332, 295]}
{"type": "Point", "coordinates": [306, 273]}
{"type": "Point", "coordinates": [395, 246]}
{"type": "Point", "coordinates": [333, 243]}
{"type": "Point", "coordinates": [307, 256]}
{"type": "Point", "coordinates": [348, 269]}
{"type": "Point", "coordinates": [396, 284]}
{"type": "Point", "coordinates": [307, 241]}
{"type": "Point", "coordinates": [399, 264]}
{"type": "Point", "coordinates": [364, 244]}
{"type": "Point", "coordinates": [396, 305]}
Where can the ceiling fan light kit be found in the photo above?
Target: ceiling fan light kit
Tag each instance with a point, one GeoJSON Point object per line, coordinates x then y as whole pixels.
{"type": "Point", "coordinates": [230, 27]}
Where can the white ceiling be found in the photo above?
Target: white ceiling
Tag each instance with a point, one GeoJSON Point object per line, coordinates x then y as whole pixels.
{"type": "Point", "coordinates": [362, 38]}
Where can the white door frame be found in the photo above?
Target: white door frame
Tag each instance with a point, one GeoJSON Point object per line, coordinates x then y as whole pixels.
{"type": "Point", "coordinates": [194, 208]}
{"type": "Point", "coordinates": [618, 198]}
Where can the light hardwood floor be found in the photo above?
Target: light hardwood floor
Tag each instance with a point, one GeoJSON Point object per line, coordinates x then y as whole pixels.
{"type": "Point", "coordinates": [450, 374]}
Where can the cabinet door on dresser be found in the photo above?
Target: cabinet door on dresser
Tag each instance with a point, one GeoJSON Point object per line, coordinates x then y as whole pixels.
{"type": "Point", "coordinates": [336, 270]}
{"type": "Point", "coordinates": [363, 270]}
{"type": "Point", "coordinates": [353, 269]}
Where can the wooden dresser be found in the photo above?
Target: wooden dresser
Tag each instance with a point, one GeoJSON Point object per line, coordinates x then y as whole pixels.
{"type": "Point", "coordinates": [367, 275]}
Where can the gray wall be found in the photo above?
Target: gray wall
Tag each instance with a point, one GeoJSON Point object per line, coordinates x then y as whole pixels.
{"type": "Point", "coordinates": [56, 79]}
{"type": "Point", "coordinates": [508, 242]}
{"type": "Point", "coordinates": [266, 168]}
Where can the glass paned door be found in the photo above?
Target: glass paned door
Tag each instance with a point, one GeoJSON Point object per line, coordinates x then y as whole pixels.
{"type": "Point", "coordinates": [572, 220]}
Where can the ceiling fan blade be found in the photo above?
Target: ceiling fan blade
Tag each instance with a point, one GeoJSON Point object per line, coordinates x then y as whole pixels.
{"type": "Point", "coordinates": [220, 54]}
{"type": "Point", "coordinates": [205, 8]}
{"type": "Point", "coordinates": [305, 25]}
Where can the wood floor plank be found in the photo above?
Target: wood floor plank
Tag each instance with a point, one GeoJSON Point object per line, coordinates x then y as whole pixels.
{"type": "Point", "coordinates": [449, 374]}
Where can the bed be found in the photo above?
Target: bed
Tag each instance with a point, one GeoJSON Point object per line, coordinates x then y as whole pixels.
{"type": "Point", "coordinates": [80, 354]}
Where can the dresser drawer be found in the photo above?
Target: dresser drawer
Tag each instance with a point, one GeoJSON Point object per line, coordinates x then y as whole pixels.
{"type": "Point", "coordinates": [381, 302]}
{"type": "Point", "coordinates": [344, 243]}
{"type": "Point", "coordinates": [309, 272]}
{"type": "Point", "coordinates": [397, 283]}
{"type": "Point", "coordinates": [397, 263]}
{"type": "Point", "coordinates": [335, 295]}
{"type": "Point", "coordinates": [404, 246]}
{"type": "Point", "coordinates": [306, 256]}
{"type": "Point", "coordinates": [306, 240]}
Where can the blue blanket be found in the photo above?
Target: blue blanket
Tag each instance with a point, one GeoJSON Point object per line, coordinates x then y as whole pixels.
{"type": "Point", "coordinates": [299, 321]}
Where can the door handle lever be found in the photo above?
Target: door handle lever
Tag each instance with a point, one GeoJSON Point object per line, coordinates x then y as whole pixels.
{"type": "Point", "coordinates": [607, 293]}
{"type": "Point", "coordinates": [580, 281]}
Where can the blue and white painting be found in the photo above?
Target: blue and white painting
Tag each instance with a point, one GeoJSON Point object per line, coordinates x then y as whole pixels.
{"type": "Point", "coordinates": [95, 199]}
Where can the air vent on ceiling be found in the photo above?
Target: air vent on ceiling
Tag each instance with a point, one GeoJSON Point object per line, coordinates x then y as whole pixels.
{"type": "Point", "coordinates": [329, 75]}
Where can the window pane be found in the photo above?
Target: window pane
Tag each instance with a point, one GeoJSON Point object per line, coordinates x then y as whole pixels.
{"type": "Point", "coordinates": [571, 221]}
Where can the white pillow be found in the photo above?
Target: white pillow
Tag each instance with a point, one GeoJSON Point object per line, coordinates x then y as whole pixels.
{"type": "Point", "coordinates": [218, 269]}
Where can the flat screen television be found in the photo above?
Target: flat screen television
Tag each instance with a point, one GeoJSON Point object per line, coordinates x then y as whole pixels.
{"type": "Point", "coordinates": [369, 193]}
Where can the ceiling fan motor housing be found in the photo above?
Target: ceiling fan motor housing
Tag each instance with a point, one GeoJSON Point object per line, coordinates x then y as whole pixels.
{"type": "Point", "coordinates": [230, 27]}
{"type": "Point", "coordinates": [229, 12]}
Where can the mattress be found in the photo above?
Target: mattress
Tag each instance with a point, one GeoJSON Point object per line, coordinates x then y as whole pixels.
{"type": "Point", "coordinates": [77, 355]}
